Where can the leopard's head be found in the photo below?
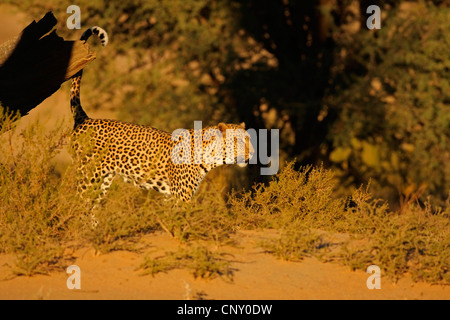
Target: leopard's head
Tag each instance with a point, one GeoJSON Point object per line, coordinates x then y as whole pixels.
{"type": "Point", "coordinates": [227, 143]}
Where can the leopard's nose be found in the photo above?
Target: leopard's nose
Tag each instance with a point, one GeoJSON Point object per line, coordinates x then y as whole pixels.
{"type": "Point", "coordinates": [251, 152]}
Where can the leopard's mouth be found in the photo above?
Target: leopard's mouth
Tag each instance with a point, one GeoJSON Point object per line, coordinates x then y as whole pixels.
{"type": "Point", "coordinates": [244, 164]}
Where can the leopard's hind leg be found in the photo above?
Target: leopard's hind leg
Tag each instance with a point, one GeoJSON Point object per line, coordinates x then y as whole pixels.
{"type": "Point", "coordinates": [94, 187]}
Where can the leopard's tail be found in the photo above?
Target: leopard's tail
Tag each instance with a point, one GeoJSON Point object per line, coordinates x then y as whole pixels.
{"type": "Point", "coordinates": [75, 104]}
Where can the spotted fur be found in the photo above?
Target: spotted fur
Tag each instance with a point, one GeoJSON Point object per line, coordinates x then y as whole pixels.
{"type": "Point", "coordinates": [141, 154]}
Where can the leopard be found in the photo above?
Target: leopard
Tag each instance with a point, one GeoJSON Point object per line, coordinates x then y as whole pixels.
{"type": "Point", "coordinates": [150, 158]}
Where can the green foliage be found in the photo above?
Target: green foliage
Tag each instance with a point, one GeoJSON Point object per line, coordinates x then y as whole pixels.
{"type": "Point", "coordinates": [292, 196]}
{"type": "Point", "coordinates": [300, 205]}
{"type": "Point", "coordinates": [36, 209]}
{"type": "Point", "coordinates": [295, 243]}
{"type": "Point", "coordinates": [394, 112]}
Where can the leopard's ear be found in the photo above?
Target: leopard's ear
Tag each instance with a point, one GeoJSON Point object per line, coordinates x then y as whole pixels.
{"type": "Point", "coordinates": [242, 124]}
{"type": "Point", "coordinates": [222, 126]}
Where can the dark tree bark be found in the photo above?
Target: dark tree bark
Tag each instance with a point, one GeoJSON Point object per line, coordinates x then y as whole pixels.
{"type": "Point", "coordinates": [35, 64]}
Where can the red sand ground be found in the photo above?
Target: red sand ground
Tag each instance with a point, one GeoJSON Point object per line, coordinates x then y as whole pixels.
{"type": "Point", "coordinates": [257, 275]}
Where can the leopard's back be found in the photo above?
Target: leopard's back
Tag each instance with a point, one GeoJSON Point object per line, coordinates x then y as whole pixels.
{"type": "Point", "coordinates": [139, 154]}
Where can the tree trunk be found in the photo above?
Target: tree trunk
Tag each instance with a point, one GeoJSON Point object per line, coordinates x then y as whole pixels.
{"type": "Point", "coordinates": [35, 64]}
